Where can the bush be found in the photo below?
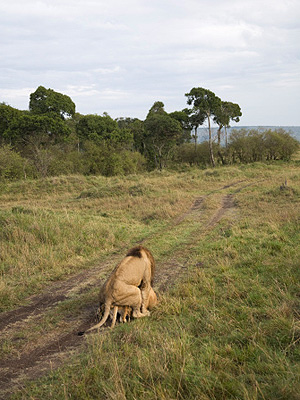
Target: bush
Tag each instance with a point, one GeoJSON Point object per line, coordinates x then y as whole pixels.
{"type": "Point", "coordinates": [12, 165]}
{"type": "Point", "coordinates": [249, 146]}
{"type": "Point", "coordinates": [108, 161]}
{"type": "Point", "coordinates": [189, 154]}
{"type": "Point", "coordinates": [65, 163]}
{"type": "Point", "coordinates": [280, 145]}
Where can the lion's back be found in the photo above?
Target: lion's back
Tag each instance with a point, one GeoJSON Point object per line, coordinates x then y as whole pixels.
{"type": "Point", "coordinates": [131, 270]}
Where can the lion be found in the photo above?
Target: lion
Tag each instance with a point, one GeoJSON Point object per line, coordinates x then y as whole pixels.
{"type": "Point", "coordinates": [129, 285]}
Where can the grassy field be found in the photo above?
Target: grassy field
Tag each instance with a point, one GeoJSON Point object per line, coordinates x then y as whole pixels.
{"type": "Point", "coordinates": [228, 329]}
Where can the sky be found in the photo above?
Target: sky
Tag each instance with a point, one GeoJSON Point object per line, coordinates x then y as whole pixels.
{"type": "Point", "coordinates": [120, 56]}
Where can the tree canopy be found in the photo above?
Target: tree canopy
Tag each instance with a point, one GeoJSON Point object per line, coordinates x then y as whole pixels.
{"type": "Point", "coordinates": [102, 128]}
{"type": "Point", "coordinates": [38, 129]}
{"type": "Point", "coordinates": [226, 112]}
{"type": "Point", "coordinates": [7, 115]}
{"type": "Point", "coordinates": [207, 103]}
{"type": "Point", "coordinates": [162, 132]}
{"type": "Point", "coordinates": [48, 102]}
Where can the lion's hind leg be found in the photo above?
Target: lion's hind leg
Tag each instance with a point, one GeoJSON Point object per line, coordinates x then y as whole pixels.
{"type": "Point", "coordinates": [130, 295]}
{"type": "Point", "coordinates": [114, 318]}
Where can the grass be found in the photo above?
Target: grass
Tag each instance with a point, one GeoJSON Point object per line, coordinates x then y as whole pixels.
{"type": "Point", "coordinates": [230, 327]}
{"type": "Point", "coordinates": [55, 227]}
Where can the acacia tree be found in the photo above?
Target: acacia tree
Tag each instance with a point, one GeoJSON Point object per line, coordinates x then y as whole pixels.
{"type": "Point", "coordinates": [162, 132]}
{"type": "Point", "coordinates": [207, 103]}
{"type": "Point", "coordinates": [224, 114]}
{"type": "Point", "coordinates": [196, 118]}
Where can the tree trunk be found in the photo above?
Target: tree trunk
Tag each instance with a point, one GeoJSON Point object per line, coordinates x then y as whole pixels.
{"type": "Point", "coordinates": [221, 157]}
{"type": "Point", "coordinates": [160, 159]}
{"type": "Point", "coordinates": [158, 156]}
{"type": "Point", "coordinates": [211, 154]}
{"type": "Point", "coordinates": [219, 135]}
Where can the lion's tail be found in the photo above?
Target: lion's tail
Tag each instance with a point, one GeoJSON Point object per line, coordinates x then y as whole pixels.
{"type": "Point", "coordinates": [104, 318]}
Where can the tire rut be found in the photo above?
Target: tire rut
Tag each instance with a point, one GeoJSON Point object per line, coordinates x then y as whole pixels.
{"type": "Point", "coordinates": [58, 292]}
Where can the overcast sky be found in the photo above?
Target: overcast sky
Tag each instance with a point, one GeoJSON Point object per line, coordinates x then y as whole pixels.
{"type": "Point", "coordinates": [120, 56]}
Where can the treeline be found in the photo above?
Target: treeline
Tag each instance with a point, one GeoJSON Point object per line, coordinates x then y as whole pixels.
{"type": "Point", "coordinates": [52, 139]}
{"type": "Point", "coordinates": [244, 146]}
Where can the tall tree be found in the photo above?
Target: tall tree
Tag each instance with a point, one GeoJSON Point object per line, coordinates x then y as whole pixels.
{"type": "Point", "coordinates": [51, 103]}
{"type": "Point", "coordinates": [196, 118]}
{"type": "Point", "coordinates": [224, 114]}
{"type": "Point", "coordinates": [206, 102]}
{"type": "Point", "coordinates": [162, 132]}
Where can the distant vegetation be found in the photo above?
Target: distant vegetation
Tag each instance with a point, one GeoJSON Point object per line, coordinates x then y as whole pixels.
{"type": "Point", "coordinates": [51, 139]}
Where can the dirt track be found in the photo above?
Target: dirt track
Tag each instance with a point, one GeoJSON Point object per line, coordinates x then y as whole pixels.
{"type": "Point", "coordinates": [48, 352]}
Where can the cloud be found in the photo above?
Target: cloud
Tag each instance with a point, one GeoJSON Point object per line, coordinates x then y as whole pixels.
{"type": "Point", "coordinates": [9, 96]}
{"type": "Point", "coordinates": [121, 56]}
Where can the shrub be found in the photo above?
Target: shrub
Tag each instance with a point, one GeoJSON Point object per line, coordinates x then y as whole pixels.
{"type": "Point", "coordinates": [108, 161]}
{"type": "Point", "coordinates": [249, 146]}
{"type": "Point", "coordinates": [189, 154]}
{"type": "Point", "coordinates": [65, 163]}
{"type": "Point", "coordinates": [12, 165]}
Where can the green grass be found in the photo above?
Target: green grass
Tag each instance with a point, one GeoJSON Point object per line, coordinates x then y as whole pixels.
{"type": "Point", "coordinates": [55, 227]}
{"type": "Point", "coordinates": [230, 327]}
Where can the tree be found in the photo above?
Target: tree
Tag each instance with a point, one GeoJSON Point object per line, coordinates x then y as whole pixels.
{"type": "Point", "coordinates": [196, 118]}
{"type": "Point", "coordinates": [35, 135]}
{"type": "Point", "coordinates": [226, 112]}
{"type": "Point", "coordinates": [35, 129]}
{"type": "Point", "coordinates": [136, 127]}
{"type": "Point", "coordinates": [157, 108]}
{"type": "Point", "coordinates": [183, 118]}
{"type": "Point", "coordinates": [99, 129]}
{"type": "Point", "coordinates": [7, 115]}
{"type": "Point", "coordinates": [162, 132]}
{"type": "Point", "coordinates": [207, 103]}
{"type": "Point", "coordinates": [48, 102]}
